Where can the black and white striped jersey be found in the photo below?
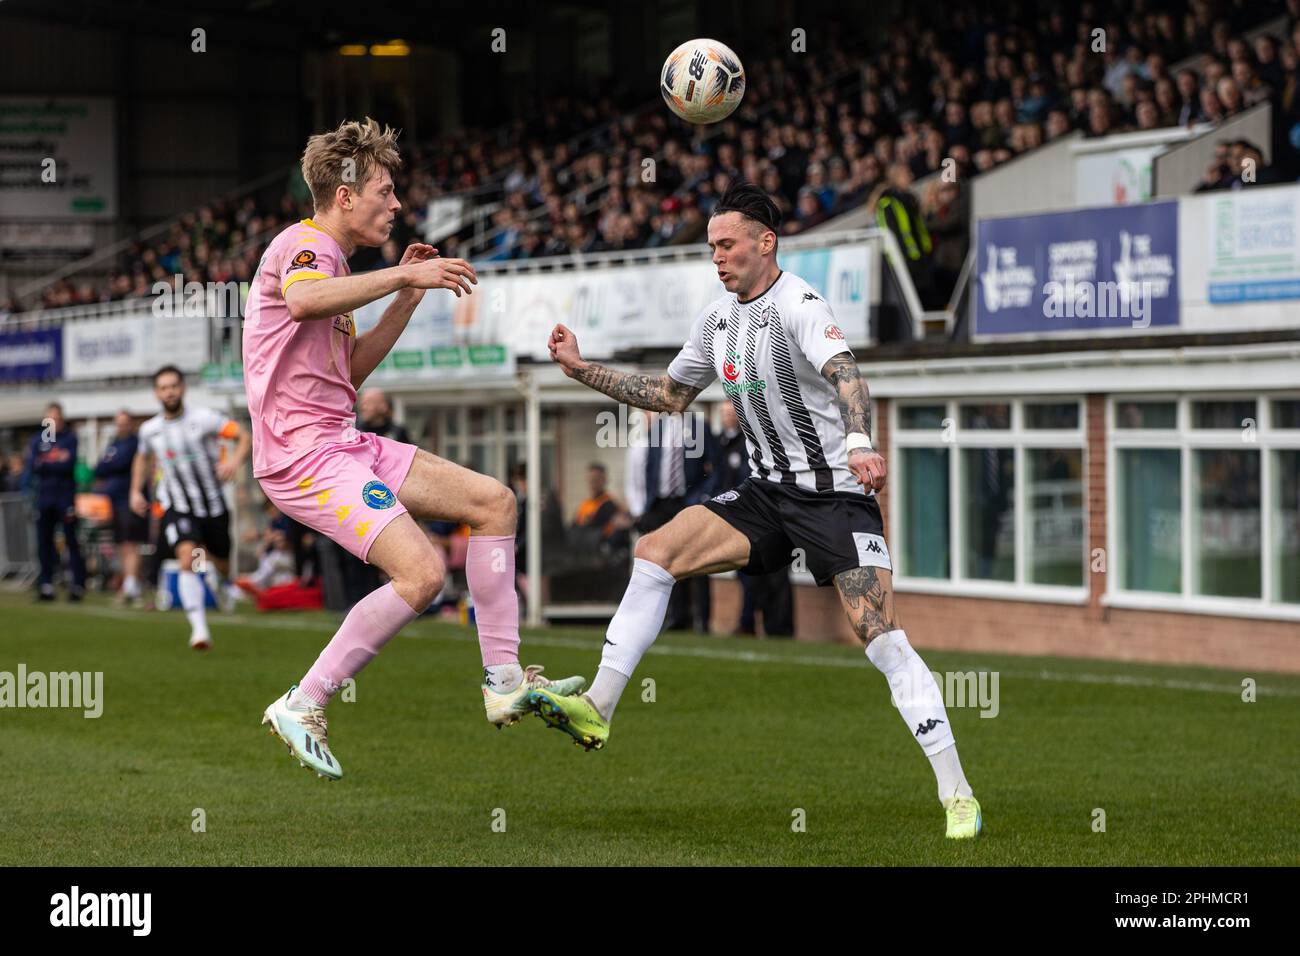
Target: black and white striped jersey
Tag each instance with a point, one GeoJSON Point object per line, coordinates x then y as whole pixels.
{"type": "Point", "coordinates": [186, 453]}
{"type": "Point", "coordinates": [769, 353]}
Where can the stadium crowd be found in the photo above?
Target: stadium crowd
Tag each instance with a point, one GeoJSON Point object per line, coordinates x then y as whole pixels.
{"type": "Point", "coordinates": [823, 133]}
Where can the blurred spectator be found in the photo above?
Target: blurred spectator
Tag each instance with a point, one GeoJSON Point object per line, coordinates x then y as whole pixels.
{"type": "Point", "coordinates": [130, 530]}
{"type": "Point", "coordinates": [53, 461]}
{"type": "Point", "coordinates": [602, 510]}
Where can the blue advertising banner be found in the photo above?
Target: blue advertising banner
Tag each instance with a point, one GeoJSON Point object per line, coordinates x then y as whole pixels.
{"type": "Point", "coordinates": [1112, 268]}
{"type": "Point", "coordinates": [35, 356]}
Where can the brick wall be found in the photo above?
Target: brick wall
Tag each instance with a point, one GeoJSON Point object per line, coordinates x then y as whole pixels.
{"type": "Point", "coordinates": [1091, 630]}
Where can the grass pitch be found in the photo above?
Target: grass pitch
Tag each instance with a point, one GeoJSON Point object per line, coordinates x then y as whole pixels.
{"type": "Point", "coordinates": [740, 735]}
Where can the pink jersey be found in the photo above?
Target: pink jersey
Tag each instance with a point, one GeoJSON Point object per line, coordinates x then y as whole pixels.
{"type": "Point", "coordinates": [297, 375]}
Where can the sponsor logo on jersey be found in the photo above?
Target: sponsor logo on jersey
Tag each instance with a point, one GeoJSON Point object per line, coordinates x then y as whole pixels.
{"type": "Point", "coordinates": [345, 324]}
{"type": "Point", "coordinates": [731, 367]}
{"type": "Point", "coordinates": [306, 259]}
{"type": "Point", "coordinates": [833, 332]}
{"type": "Point", "coordinates": [726, 496]}
{"type": "Point", "coordinates": [376, 495]}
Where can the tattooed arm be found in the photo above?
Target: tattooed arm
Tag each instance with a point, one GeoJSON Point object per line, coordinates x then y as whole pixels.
{"type": "Point", "coordinates": [659, 393]}
{"type": "Point", "coordinates": [841, 370]}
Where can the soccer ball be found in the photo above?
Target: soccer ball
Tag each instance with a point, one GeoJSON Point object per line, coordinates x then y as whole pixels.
{"type": "Point", "coordinates": [702, 81]}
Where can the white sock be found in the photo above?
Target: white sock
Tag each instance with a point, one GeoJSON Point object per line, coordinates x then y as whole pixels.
{"type": "Point", "coordinates": [503, 678]}
{"type": "Point", "coordinates": [920, 702]}
{"type": "Point", "coordinates": [130, 586]}
{"type": "Point", "coordinates": [300, 701]}
{"type": "Point", "coordinates": [605, 691]}
{"type": "Point", "coordinates": [193, 600]}
{"type": "Point", "coordinates": [635, 626]}
{"type": "Point", "coordinates": [947, 771]}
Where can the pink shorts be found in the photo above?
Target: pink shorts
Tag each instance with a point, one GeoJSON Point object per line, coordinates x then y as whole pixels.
{"type": "Point", "coordinates": [346, 491]}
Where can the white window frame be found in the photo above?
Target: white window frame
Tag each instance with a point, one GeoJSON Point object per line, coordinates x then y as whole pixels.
{"type": "Point", "coordinates": [1186, 439]}
{"type": "Point", "coordinates": [494, 439]}
{"type": "Point", "coordinates": [1018, 438]}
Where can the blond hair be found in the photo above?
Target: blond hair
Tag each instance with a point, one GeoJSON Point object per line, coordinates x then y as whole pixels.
{"type": "Point", "coordinates": [349, 155]}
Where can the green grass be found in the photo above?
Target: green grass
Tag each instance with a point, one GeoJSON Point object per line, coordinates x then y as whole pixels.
{"type": "Point", "coordinates": [740, 734]}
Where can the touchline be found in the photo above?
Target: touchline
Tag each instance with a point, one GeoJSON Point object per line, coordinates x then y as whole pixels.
{"type": "Point", "coordinates": [74, 689]}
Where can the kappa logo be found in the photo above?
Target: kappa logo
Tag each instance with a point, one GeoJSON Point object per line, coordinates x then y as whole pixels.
{"type": "Point", "coordinates": [363, 527]}
{"type": "Point", "coordinates": [722, 322]}
{"type": "Point", "coordinates": [811, 295]}
{"type": "Point", "coordinates": [376, 495]}
{"type": "Point", "coordinates": [875, 548]}
{"type": "Point", "coordinates": [726, 496]}
{"type": "Point", "coordinates": [306, 483]}
{"type": "Point", "coordinates": [341, 512]}
{"type": "Point", "coordinates": [925, 727]}
{"type": "Point", "coordinates": [323, 498]}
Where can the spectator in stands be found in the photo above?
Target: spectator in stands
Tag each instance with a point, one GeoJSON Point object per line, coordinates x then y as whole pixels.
{"type": "Point", "coordinates": [130, 530]}
{"type": "Point", "coordinates": [376, 415]}
{"type": "Point", "coordinates": [52, 459]}
{"type": "Point", "coordinates": [602, 510]}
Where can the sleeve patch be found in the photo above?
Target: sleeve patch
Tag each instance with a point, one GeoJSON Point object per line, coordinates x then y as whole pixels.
{"type": "Point", "coordinates": [306, 259]}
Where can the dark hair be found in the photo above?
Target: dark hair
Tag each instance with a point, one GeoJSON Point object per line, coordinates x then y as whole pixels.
{"type": "Point", "coordinates": [169, 368]}
{"type": "Point", "coordinates": [57, 405]}
{"type": "Point", "coordinates": [752, 202]}
{"type": "Point", "coordinates": [597, 466]}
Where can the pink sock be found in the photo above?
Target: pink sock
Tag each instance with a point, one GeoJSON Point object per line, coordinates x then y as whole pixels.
{"type": "Point", "coordinates": [371, 623]}
{"type": "Point", "coordinates": [490, 571]}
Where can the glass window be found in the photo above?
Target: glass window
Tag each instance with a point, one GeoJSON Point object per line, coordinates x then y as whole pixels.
{"type": "Point", "coordinates": [921, 416]}
{"type": "Point", "coordinates": [1056, 519]}
{"type": "Point", "coordinates": [1223, 414]}
{"type": "Point", "coordinates": [1286, 413]}
{"type": "Point", "coordinates": [988, 481]}
{"type": "Point", "coordinates": [1286, 524]}
{"type": "Point", "coordinates": [1225, 522]}
{"type": "Point", "coordinates": [925, 513]}
{"type": "Point", "coordinates": [450, 421]}
{"type": "Point", "coordinates": [1052, 415]}
{"type": "Point", "coordinates": [1146, 415]}
{"type": "Point", "coordinates": [1150, 519]}
{"type": "Point", "coordinates": [514, 419]}
{"type": "Point", "coordinates": [481, 421]}
{"type": "Point", "coordinates": [997, 415]}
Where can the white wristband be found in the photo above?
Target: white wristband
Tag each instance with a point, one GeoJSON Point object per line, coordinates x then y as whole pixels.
{"type": "Point", "coordinates": [858, 441]}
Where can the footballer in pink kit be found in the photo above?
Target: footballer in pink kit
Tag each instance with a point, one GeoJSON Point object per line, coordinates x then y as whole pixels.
{"type": "Point", "coordinates": [303, 364]}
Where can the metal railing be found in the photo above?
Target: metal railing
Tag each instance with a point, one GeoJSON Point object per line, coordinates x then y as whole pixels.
{"type": "Point", "coordinates": [19, 566]}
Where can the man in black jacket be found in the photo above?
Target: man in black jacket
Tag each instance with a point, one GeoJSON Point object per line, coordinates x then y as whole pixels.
{"type": "Point", "coordinates": [113, 478]}
{"type": "Point", "coordinates": [53, 462]}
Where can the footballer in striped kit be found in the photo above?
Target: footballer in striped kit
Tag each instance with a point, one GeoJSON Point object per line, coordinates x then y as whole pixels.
{"type": "Point", "coordinates": [803, 407]}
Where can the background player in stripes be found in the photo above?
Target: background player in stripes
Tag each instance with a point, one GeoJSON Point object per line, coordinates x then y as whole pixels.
{"type": "Point", "coordinates": [183, 444]}
{"type": "Point", "coordinates": [806, 417]}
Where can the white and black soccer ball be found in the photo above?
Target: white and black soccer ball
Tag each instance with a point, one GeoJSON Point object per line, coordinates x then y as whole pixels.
{"type": "Point", "coordinates": [702, 81]}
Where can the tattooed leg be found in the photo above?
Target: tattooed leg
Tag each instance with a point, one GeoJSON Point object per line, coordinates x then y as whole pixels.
{"type": "Point", "coordinates": [868, 598]}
